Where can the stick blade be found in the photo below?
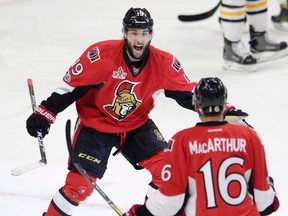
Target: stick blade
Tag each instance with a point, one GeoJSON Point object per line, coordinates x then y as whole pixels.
{"type": "Point", "coordinates": [197, 17]}
{"type": "Point", "coordinates": [192, 18]}
{"type": "Point", "coordinates": [26, 168]}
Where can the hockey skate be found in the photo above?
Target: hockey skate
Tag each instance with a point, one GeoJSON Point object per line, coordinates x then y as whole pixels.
{"type": "Point", "coordinates": [280, 21]}
{"type": "Point", "coordinates": [236, 57]}
{"type": "Point", "coordinates": [265, 49]}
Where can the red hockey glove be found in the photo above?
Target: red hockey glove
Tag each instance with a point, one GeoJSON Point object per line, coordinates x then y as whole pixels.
{"type": "Point", "coordinates": [40, 120]}
{"type": "Point", "coordinates": [132, 210]}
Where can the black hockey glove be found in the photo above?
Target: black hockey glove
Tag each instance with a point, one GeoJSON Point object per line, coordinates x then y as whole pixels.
{"type": "Point", "coordinates": [40, 120]}
{"type": "Point", "coordinates": [236, 116]}
{"type": "Point", "coordinates": [138, 210]}
{"type": "Point", "coordinates": [236, 112]}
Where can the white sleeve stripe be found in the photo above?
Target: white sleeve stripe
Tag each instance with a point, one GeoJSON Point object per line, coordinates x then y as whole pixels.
{"type": "Point", "coordinates": [162, 205]}
{"type": "Point", "coordinates": [264, 199]}
{"type": "Point", "coordinates": [64, 88]}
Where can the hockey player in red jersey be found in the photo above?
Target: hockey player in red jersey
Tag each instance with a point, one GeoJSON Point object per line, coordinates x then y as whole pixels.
{"type": "Point", "coordinates": [113, 83]}
{"type": "Point", "coordinates": [213, 168]}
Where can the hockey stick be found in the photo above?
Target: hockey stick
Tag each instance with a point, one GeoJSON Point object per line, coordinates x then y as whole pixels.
{"type": "Point", "coordinates": [43, 161]}
{"type": "Point", "coordinates": [83, 172]}
{"type": "Point", "coordinates": [39, 133]}
{"type": "Point", "coordinates": [197, 17]}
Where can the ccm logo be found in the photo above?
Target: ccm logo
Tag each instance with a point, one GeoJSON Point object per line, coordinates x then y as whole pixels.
{"type": "Point", "coordinates": [88, 157]}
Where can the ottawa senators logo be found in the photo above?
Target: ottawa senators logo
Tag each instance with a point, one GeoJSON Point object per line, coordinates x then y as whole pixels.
{"type": "Point", "coordinates": [125, 101]}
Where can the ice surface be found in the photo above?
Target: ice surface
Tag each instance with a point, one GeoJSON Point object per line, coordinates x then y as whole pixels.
{"type": "Point", "coordinates": [40, 39]}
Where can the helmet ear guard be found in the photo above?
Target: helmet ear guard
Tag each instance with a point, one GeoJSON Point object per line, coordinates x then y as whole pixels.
{"type": "Point", "coordinates": [211, 95]}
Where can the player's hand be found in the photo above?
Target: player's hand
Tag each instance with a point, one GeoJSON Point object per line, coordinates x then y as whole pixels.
{"type": "Point", "coordinates": [40, 120]}
{"type": "Point", "coordinates": [132, 210]}
{"type": "Point", "coordinates": [232, 111]}
{"type": "Point", "coordinates": [236, 116]}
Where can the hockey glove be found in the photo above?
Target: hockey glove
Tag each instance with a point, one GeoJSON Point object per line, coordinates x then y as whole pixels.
{"type": "Point", "coordinates": [40, 120]}
{"type": "Point", "coordinates": [236, 116]}
{"type": "Point", "coordinates": [138, 210]}
{"type": "Point", "coordinates": [132, 210]}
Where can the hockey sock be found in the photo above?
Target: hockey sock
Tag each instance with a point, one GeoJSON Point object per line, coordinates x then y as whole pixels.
{"type": "Point", "coordinates": [76, 187]}
{"type": "Point", "coordinates": [154, 166]}
{"type": "Point", "coordinates": [257, 14]}
{"type": "Point", "coordinates": [61, 205]}
{"type": "Point", "coordinates": [232, 19]}
{"type": "Point", "coordinates": [75, 190]}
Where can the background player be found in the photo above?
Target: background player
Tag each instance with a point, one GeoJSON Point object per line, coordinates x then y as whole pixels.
{"type": "Point", "coordinates": [213, 168]}
{"type": "Point", "coordinates": [280, 21]}
{"type": "Point", "coordinates": [232, 18]}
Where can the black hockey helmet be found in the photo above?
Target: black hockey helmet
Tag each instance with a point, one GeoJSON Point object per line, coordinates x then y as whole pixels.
{"type": "Point", "coordinates": [211, 95]}
{"type": "Point", "coordinates": [138, 18]}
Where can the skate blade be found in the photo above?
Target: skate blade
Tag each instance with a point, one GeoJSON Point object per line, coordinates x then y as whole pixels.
{"type": "Point", "coordinates": [281, 26]}
{"type": "Point", "coordinates": [233, 66]}
{"type": "Point", "coordinates": [270, 55]}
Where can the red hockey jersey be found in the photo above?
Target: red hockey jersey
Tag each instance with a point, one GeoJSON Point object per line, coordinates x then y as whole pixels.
{"type": "Point", "coordinates": [221, 166]}
{"type": "Point", "coordinates": [124, 103]}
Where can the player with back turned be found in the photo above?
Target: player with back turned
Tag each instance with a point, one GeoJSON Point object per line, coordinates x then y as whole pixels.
{"type": "Point", "coordinates": [113, 83]}
{"type": "Point", "coordinates": [213, 168]}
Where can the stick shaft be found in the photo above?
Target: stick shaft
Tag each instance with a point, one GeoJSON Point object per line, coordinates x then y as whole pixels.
{"type": "Point", "coordinates": [39, 133]}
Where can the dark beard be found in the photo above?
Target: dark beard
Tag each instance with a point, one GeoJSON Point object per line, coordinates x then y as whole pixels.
{"type": "Point", "coordinates": [129, 49]}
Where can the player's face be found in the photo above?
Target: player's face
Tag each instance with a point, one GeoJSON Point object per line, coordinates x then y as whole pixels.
{"type": "Point", "coordinates": [138, 41]}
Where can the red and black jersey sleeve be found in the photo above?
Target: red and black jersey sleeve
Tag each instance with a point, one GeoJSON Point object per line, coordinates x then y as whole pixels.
{"type": "Point", "coordinates": [183, 98]}
{"type": "Point", "coordinates": [85, 74]}
{"type": "Point", "coordinates": [175, 82]}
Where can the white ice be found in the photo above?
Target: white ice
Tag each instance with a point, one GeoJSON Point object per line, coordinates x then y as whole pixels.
{"type": "Point", "coordinates": [40, 39]}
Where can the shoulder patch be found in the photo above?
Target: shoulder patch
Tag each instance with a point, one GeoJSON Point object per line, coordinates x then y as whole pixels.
{"type": "Point", "coordinates": [67, 77]}
{"type": "Point", "coordinates": [176, 64]}
{"type": "Point", "coordinates": [170, 145]}
{"type": "Point", "coordinates": [94, 54]}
